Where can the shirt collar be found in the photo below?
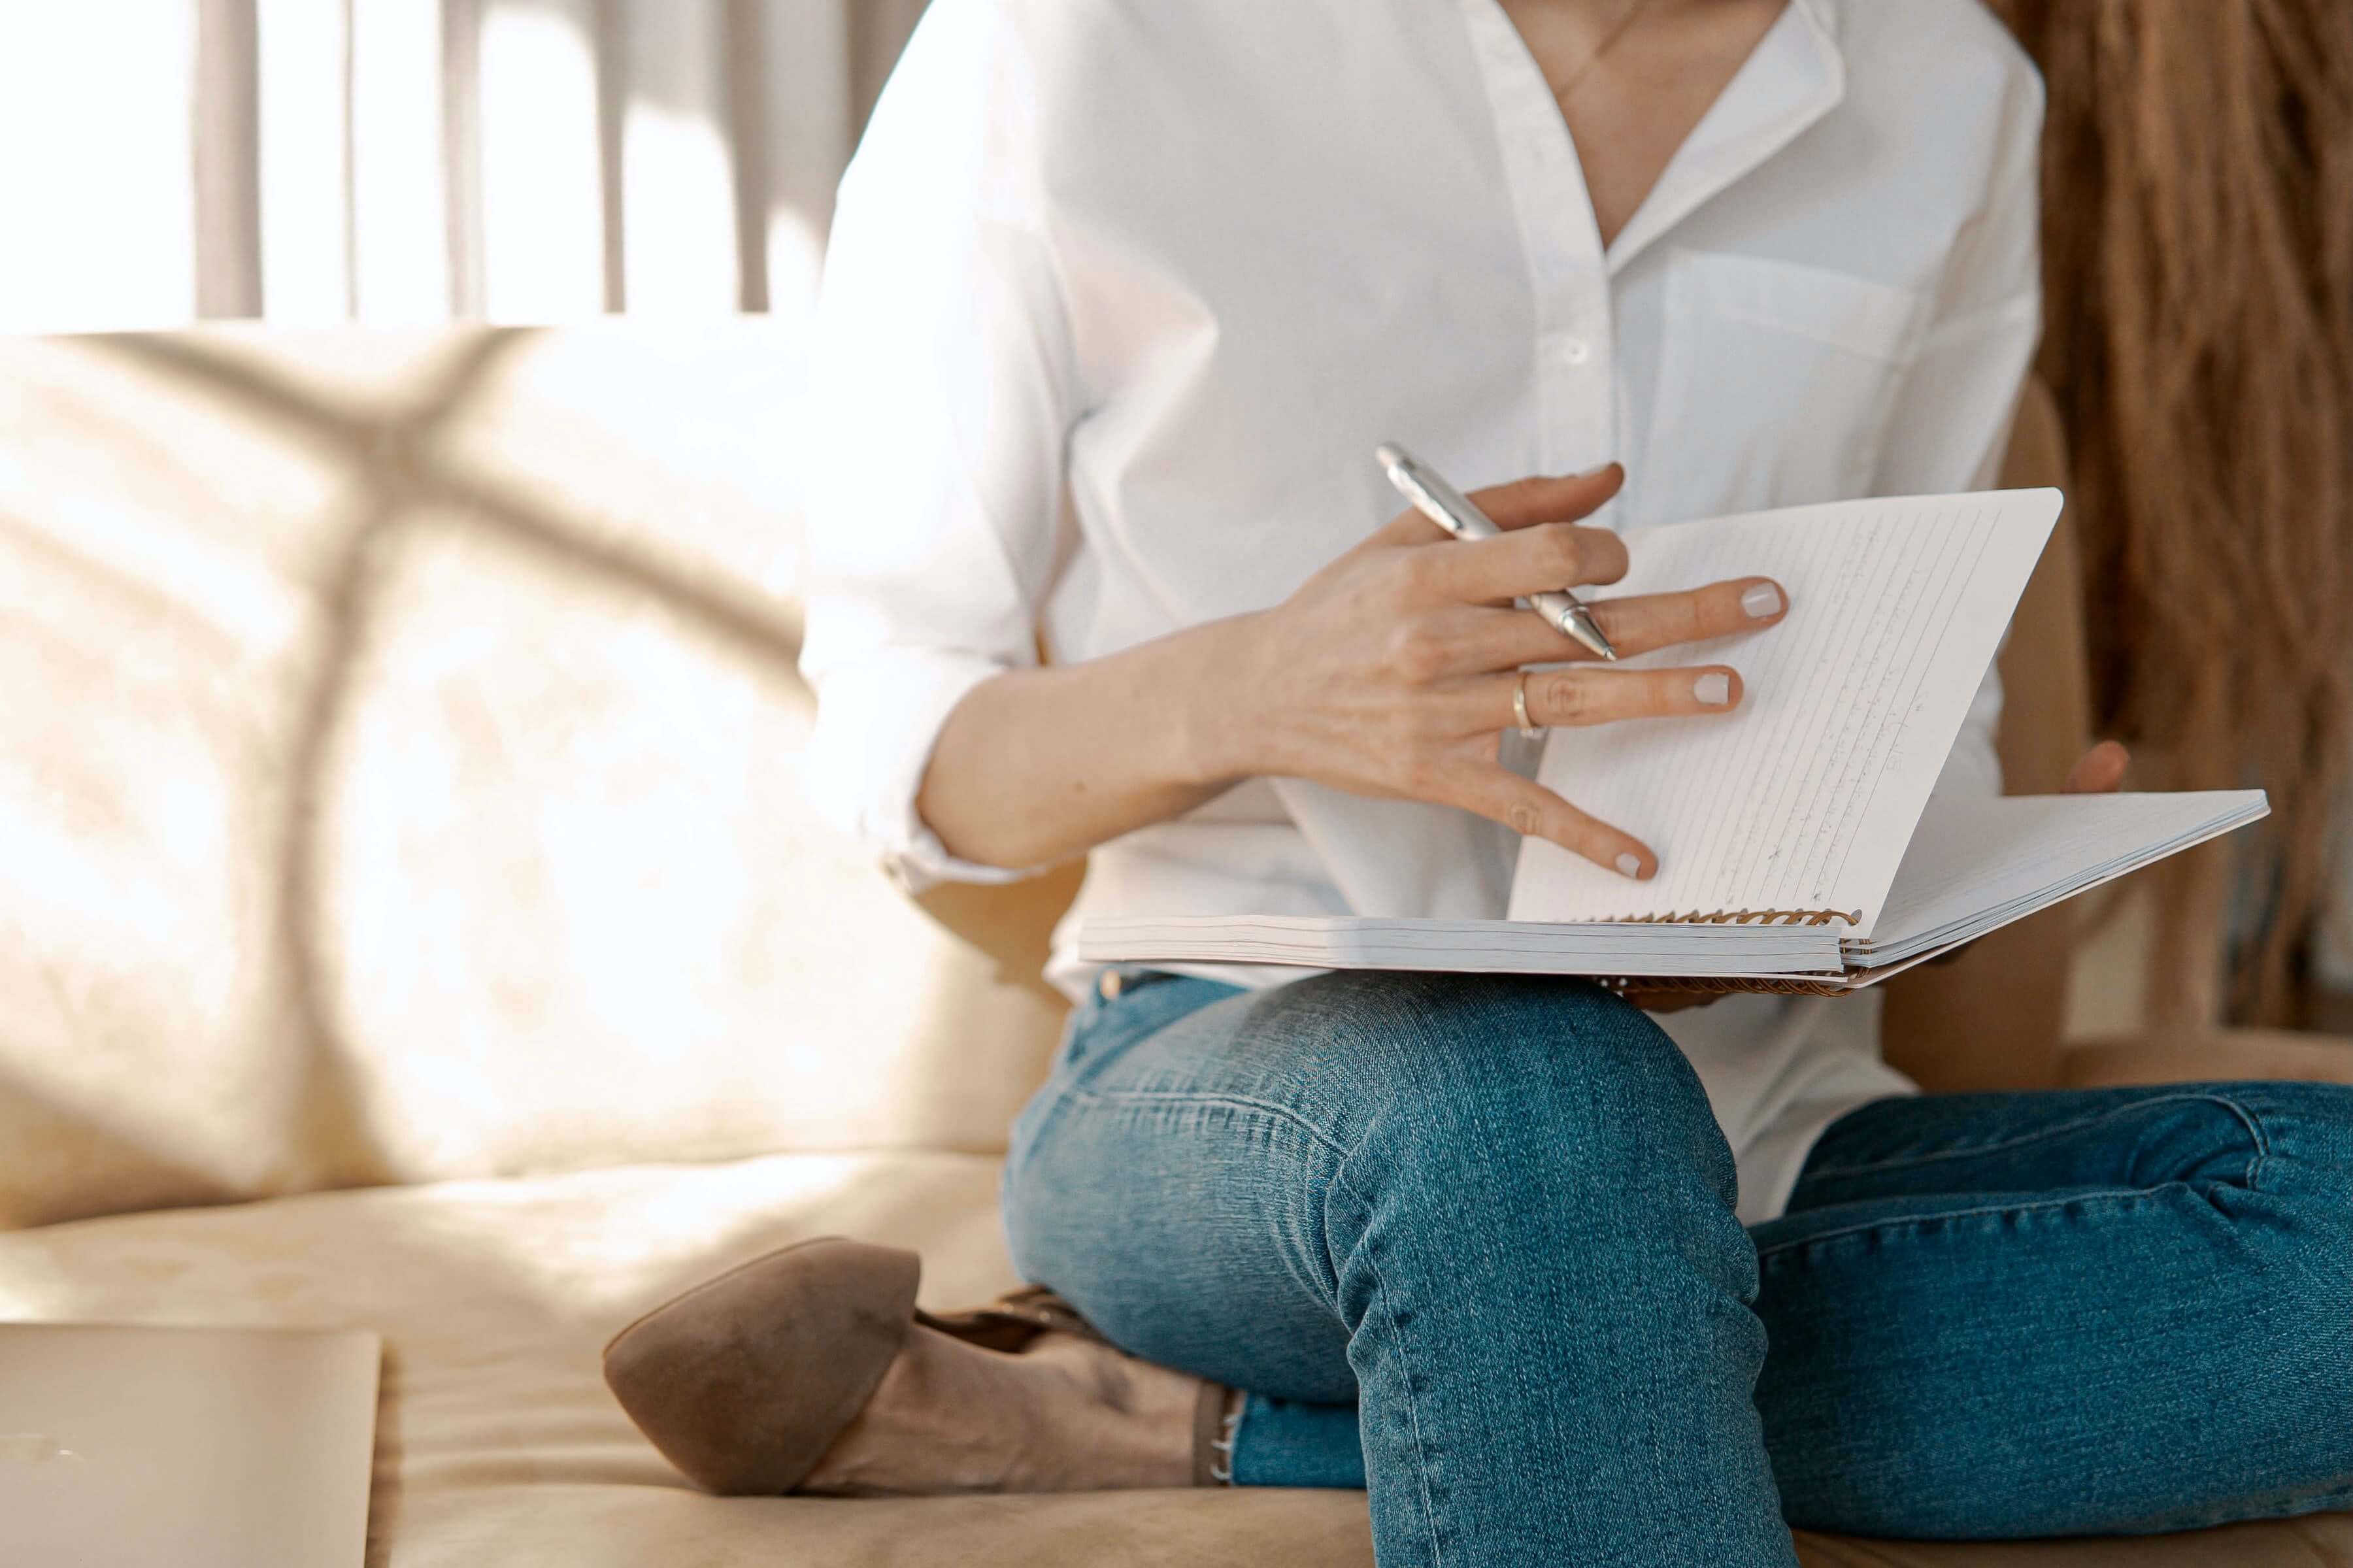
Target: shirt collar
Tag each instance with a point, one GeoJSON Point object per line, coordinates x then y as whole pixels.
{"type": "Point", "coordinates": [1795, 76]}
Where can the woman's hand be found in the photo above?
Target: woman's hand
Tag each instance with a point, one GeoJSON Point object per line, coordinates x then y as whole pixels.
{"type": "Point", "coordinates": [2100, 771]}
{"type": "Point", "coordinates": [1391, 671]}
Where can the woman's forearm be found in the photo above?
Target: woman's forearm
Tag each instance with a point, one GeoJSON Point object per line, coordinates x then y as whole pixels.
{"type": "Point", "coordinates": [1036, 766]}
{"type": "Point", "coordinates": [1390, 673]}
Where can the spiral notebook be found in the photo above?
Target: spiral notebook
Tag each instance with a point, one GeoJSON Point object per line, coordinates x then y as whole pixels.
{"type": "Point", "coordinates": [1799, 847]}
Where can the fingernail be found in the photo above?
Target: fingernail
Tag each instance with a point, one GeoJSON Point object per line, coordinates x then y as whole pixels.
{"type": "Point", "coordinates": [1632, 865]}
{"type": "Point", "coordinates": [1596, 472]}
{"type": "Point", "coordinates": [1713, 689]}
{"type": "Point", "coordinates": [1763, 601]}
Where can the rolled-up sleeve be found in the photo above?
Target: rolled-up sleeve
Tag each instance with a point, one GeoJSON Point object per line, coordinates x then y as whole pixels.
{"type": "Point", "coordinates": [940, 396]}
{"type": "Point", "coordinates": [1950, 428]}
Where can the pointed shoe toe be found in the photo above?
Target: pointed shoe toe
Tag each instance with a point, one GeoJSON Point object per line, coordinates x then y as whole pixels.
{"type": "Point", "coordinates": [745, 1381]}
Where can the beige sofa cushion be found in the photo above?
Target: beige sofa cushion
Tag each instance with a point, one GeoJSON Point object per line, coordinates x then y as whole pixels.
{"type": "Point", "coordinates": [399, 779]}
{"type": "Point", "coordinates": [498, 1444]}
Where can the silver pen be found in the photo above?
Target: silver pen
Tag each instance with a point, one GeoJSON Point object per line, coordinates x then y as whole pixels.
{"type": "Point", "coordinates": [1458, 515]}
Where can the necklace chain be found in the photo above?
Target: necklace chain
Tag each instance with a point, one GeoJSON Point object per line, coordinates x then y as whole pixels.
{"type": "Point", "coordinates": [1618, 30]}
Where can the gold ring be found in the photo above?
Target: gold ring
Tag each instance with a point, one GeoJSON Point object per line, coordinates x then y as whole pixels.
{"type": "Point", "coordinates": [1528, 730]}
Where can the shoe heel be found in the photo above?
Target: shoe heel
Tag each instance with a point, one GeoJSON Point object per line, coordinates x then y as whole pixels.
{"type": "Point", "coordinates": [745, 1381]}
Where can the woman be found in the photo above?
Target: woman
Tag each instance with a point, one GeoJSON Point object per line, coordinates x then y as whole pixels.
{"type": "Point", "coordinates": [1122, 295]}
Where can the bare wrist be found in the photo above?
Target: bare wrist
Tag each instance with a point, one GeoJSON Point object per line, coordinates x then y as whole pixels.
{"type": "Point", "coordinates": [1223, 737]}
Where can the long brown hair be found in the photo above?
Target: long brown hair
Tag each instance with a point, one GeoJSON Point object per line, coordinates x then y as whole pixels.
{"type": "Point", "coordinates": [2197, 211]}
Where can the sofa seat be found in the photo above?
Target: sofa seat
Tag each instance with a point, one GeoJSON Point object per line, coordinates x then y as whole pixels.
{"type": "Point", "coordinates": [498, 1444]}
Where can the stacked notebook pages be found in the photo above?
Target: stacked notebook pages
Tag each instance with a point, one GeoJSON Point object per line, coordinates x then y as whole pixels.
{"type": "Point", "coordinates": [1800, 846]}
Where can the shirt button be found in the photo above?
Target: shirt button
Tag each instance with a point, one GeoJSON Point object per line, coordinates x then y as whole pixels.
{"type": "Point", "coordinates": [1575, 351]}
{"type": "Point", "coordinates": [1111, 983]}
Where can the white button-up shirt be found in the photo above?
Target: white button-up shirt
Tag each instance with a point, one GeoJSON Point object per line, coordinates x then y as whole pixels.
{"type": "Point", "coordinates": [1122, 294]}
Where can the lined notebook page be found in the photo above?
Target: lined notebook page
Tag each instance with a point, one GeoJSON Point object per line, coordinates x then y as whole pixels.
{"type": "Point", "coordinates": [1973, 863]}
{"type": "Point", "coordinates": [1806, 798]}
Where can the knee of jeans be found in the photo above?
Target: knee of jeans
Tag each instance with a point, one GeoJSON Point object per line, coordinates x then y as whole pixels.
{"type": "Point", "coordinates": [1535, 1074]}
{"type": "Point", "coordinates": [2302, 1357]}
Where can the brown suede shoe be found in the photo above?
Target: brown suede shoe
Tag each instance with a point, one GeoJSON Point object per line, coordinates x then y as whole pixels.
{"type": "Point", "coordinates": [747, 1380]}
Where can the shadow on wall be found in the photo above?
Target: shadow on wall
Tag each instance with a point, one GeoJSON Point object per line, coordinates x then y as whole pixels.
{"type": "Point", "coordinates": [412, 786]}
{"type": "Point", "coordinates": [394, 451]}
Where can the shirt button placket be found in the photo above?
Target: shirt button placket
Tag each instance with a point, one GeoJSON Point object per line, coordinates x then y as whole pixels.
{"type": "Point", "coordinates": [1580, 401]}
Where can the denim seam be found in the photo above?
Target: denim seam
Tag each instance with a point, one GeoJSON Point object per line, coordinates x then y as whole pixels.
{"type": "Point", "coordinates": [2329, 1500]}
{"type": "Point", "coordinates": [1234, 1102]}
{"type": "Point", "coordinates": [2246, 1119]}
{"type": "Point", "coordinates": [2114, 1194]}
{"type": "Point", "coordinates": [1380, 1282]}
{"type": "Point", "coordinates": [1396, 1335]}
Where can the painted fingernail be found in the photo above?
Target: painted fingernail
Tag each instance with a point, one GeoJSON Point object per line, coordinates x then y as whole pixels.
{"type": "Point", "coordinates": [1632, 865]}
{"type": "Point", "coordinates": [1762, 601]}
{"type": "Point", "coordinates": [1713, 689]}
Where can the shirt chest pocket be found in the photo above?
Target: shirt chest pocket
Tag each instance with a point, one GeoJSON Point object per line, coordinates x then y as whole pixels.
{"type": "Point", "coordinates": [1776, 384]}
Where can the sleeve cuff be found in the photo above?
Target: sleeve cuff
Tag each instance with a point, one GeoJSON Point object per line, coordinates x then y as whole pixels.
{"type": "Point", "coordinates": [877, 727]}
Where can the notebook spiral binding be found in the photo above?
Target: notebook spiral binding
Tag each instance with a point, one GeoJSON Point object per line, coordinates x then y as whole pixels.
{"type": "Point", "coordinates": [1703, 985]}
{"type": "Point", "coordinates": [1746, 918]}
{"type": "Point", "coordinates": [1636, 985]}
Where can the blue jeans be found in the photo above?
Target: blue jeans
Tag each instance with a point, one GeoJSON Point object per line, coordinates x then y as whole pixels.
{"type": "Point", "coordinates": [1469, 1243]}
